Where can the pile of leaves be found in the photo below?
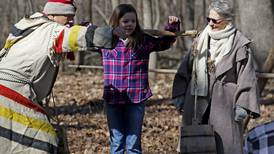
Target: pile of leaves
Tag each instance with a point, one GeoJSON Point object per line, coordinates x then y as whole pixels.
{"type": "Point", "coordinates": [79, 108]}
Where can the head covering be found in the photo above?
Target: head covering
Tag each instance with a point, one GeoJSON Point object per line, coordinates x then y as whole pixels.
{"type": "Point", "coordinates": [61, 7]}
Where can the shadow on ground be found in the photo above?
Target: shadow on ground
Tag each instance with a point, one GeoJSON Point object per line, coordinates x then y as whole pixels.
{"type": "Point", "coordinates": [93, 107]}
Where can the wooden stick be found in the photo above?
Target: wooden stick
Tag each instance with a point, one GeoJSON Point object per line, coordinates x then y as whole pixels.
{"type": "Point", "coordinates": [265, 75]}
{"type": "Point", "coordinates": [156, 32]}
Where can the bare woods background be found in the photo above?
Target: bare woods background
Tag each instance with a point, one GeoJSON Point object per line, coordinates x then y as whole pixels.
{"type": "Point", "coordinates": [78, 106]}
{"type": "Point", "coordinates": [255, 18]}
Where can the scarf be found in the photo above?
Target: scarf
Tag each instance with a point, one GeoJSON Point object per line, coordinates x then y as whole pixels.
{"type": "Point", "coordinates": [223, 40]}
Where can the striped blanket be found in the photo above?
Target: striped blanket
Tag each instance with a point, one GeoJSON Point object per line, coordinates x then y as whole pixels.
{"type": "Point", "coordinates": [24, 126]}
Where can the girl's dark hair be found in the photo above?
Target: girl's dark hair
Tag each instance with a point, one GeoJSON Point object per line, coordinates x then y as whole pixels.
{"type": "Point", "coordinates": [137, 36]}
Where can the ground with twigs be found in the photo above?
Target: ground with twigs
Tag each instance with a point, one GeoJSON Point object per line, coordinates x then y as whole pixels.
{"type": "Point", "coordinates": [79, 108]}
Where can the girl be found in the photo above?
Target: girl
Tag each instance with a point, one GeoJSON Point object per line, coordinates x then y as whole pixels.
{"type": "Point", "coordinates": [126, 85]}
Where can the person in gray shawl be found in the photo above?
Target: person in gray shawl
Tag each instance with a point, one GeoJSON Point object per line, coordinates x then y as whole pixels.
{"type": "Point", "coordinates": [219, 71]}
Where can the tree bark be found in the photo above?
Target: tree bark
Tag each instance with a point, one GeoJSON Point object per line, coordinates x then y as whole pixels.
{"type": "Point", "coordinates": [256, 22]}
{"type": "Point", "coordinates": [101, 13]}
{"type": "Point", "coordinates": [90, 10]}
{"type": "Point", "coordinates": [157, 14]}
{"type": "Point", "coordinates": [31, 7]}
{"type": "Point", "coordinates": [188, 20]}
{"type": "Point", "coordinates": [115, 3]}
{"type": "Point", "coordinates": [139, 10]}
{"type": "Point", "coordinates": [147, 16]}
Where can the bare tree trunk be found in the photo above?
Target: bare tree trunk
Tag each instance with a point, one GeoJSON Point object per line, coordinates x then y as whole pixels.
{"type": "Point", "coordinates": [16, 10]}
{"type": "Point", "coordinates": [115, 3]}
{"type": "Point", "coordinates": [101, 13]}
{"type": "Point", "coordinates": [204, 11]}
{"type": "Point", "coordinates": [140, 11]}
{"type": "Point", "coordinates": [90, 10]}
{"type": "Point", "coordinates": [237, 20]}
{"type": "Point", "coordinates": [80, 58]}
{"type": "Point", "coordinates": [199, 16]}
{"type": "Point", "coordinates": [180, 40]}
{"type": "Point", "coordinates": [188, 20]}
{"type": "Point", "coordinates": [147, 13]}
{"type": "Point", "coordinates": [147, 16]}
{"type": "Point", "coordinates": [157, 14]}
{"type": "Point", "coordinates": [31, 7]}
{"type": "Point", "coordinates": [7, 18]}
{"type": "Point", "coordinates": [256, 21]}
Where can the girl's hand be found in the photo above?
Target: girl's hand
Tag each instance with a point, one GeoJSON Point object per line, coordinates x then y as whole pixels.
{"type": "Point", "coordinates": [173, 24]}
{"type": "Point", "coordinates": [172, 19]}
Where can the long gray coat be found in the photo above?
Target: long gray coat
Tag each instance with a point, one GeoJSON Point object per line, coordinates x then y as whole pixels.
{"type": "Point", "coordinates": [233, 83]}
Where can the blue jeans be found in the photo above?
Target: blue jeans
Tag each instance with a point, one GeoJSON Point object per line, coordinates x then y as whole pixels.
{"type": "Point", "coordinates": [125, 126]}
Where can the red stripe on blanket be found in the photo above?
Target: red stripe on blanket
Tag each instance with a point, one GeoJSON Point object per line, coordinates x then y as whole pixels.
{"type": "Point", "coordinates": [15, 96]}
{"type": "Point", "coordinates": [59, 43]}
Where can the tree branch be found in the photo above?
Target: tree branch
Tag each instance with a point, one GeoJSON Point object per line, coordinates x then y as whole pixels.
{"type": "Point", "coordinates": [97, 8]}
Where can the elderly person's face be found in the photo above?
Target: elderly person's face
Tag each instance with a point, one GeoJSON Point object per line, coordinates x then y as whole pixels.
{"type": "Point", "coordinates": [215, 21]}
{"type": "Point", "coordinates": [62, 19]}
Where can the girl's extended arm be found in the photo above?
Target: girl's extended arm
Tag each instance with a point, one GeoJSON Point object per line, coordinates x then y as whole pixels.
{"type": "Point", "coordinates": [164, 42]}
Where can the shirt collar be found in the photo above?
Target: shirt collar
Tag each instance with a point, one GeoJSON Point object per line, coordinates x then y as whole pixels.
{"type": "Point", "coordinates": [124, 41]}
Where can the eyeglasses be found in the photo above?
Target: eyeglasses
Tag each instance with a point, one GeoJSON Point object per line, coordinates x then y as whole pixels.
{"type": "Point", "coordinates": [215, 21]}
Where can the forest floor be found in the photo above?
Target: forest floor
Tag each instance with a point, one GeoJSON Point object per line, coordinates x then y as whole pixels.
{"type": "Point", "coordinates": [80, 109]}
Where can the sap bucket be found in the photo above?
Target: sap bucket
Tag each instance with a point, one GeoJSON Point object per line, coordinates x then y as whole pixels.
{"type": "Point", "coordinates": [198, 139]}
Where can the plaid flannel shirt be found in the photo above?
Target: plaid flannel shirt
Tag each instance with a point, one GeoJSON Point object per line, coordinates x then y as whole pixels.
{"type": "Point", "coordinates": [260, 140]}
{"type": "Point", "coordinates": [126, 70]}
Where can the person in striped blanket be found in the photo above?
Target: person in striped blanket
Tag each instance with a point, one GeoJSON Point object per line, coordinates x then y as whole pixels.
{"type": "Point", "coordinates": [28, 68]}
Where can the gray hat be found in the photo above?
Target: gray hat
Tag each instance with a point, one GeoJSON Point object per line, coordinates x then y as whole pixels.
{"type": "Point", "coordinates": [59, 7]}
